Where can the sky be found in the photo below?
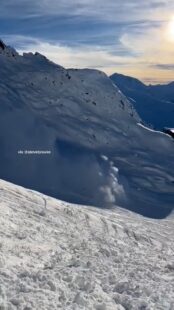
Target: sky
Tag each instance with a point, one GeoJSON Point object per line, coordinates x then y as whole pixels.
{"type": "Point", "coordinates": [132, 37]}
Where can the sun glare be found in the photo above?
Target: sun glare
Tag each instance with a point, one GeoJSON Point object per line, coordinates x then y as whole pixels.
{"type": "Point", "coordinates": [170, 29]}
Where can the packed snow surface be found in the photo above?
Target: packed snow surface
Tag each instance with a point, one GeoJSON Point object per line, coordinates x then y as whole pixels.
{"type": "Point", "coordinates": [56, 255]}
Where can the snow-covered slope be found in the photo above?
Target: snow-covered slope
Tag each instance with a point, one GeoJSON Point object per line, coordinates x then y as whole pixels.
{"type": "Point", "coordinates": [154, 103]}
{"type": "Point", "coordinates": [60, 256]}
{"type": "Point", "coordinates": [96, 152]}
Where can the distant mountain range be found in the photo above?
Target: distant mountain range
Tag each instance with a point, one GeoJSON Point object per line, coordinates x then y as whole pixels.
{"type": "Point", "coordinates": [154, 103]}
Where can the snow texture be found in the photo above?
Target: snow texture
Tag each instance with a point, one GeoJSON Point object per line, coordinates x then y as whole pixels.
{"type": "Point", "coordinates": [60, 256]}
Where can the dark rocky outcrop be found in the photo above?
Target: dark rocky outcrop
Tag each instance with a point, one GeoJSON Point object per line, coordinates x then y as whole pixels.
{"type": "Point", "coordinates": [2, 45]}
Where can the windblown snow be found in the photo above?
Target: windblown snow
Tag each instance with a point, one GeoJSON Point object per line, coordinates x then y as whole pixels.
{"type": "Point", "coordinates": [56, 255]}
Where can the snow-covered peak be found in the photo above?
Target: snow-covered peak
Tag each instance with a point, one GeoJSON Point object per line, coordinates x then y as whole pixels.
{"type": "Point", "coordinates": [34, 55]}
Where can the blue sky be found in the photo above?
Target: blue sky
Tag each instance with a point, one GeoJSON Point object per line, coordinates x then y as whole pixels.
{"type": "Point", "coordinates": [133, 37]}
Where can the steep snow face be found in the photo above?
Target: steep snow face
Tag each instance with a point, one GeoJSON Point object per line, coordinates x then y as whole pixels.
{"type": "Point", "coordinates": [93, 150]}
{"type": "Point", "coordinates": [154, 103]}
{"type": "Point", "coordinates": [60, 256]}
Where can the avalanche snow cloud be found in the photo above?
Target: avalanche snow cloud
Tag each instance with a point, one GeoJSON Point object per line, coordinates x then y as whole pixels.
{"type": "Point", "coordinates": [93, 149]}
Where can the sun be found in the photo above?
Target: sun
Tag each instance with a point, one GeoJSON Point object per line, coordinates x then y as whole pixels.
{"type": "Point", "coordinates": [170, 29]}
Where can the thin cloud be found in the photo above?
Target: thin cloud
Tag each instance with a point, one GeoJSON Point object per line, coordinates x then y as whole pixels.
{"type": "Point", "coordinates": [76, 56]}
{"type": "Point", "coordinates": [115, 36]}
{"type": "Point", "coordinates": [109, 10]}
{"type": "Point", "coordinates": [169, 67]}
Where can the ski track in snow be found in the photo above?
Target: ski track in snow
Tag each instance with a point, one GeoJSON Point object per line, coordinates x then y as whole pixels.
{"type": "Point", "coordinates": [60, 256]}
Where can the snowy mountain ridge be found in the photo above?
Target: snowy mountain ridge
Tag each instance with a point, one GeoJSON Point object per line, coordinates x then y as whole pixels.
{"type": "Point", "coordinates": [98, 154]}
{"type": "Point", "coordinates": [56, 255]}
